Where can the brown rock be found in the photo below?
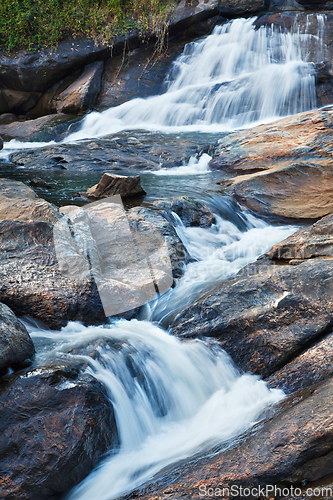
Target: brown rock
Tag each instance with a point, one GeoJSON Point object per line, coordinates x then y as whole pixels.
{"type": "Point", "coordinates": [15, 342]}
{"type": "Point", "coordinates": [17, 100]}
{"type": "Point", "coordinates": [313, 365]}
{"type": "Point", "coordinates": [55, 426]}
{"type": "Point", "coordinates": [82, 94]}
{"type": "Point", "coordinates": [284, 168]}
{"type": "Point", "coordinates": [38, 182]}
{"type": "Point", "coordinates": [296, 444]}
{"type": "Point", "coordinates": [111, 184]}
{"type": "Point", "coordinates": [19, 202]}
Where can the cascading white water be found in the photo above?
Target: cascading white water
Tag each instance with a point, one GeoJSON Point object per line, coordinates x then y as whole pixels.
{"type": "Point", "coordinates": [171, 399]}
{"type": "Point", "coordinates": [233, 78]}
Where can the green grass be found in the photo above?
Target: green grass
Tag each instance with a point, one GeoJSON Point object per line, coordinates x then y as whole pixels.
{"type": "Point", "coordinates": [40, 23]}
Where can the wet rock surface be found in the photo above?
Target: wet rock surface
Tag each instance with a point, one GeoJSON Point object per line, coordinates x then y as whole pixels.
{"type": "Point", "coordinates": [19, 202]}
{"type": "Point", "coordinates": [55, 427]}
{"type": "Point", "coordinates": [281, 169]}
{"type": "Point", "coordinates": [294, 445]}
{"type": "Point", "coordinates": [16, 345]}
{"type": "Point", "coordinates": [124, 152]}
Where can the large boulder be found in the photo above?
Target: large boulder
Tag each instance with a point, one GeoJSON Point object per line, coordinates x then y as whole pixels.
{"type": "Point", "coordinates": [42, 250]}
{"type": "Point", "coordinates": [82, 94]}
{"type": "Point", "coordinates": [55, 426]}
{"type": "Point", "coordinates": [273, 309]}
{"type": "Point", "coordinates": [188, 13]}
{"type": "Point", "coordinates": [281, 169]}
{"type": "Point", "coordinates": [293, 447]}
{"type": "Point", "coordinates": [17, 100]}
{"type": "Point", "coordinates": [16, 345]}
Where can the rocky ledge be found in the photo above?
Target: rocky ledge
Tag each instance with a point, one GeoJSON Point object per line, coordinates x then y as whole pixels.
{"type": "Point", "coordinates": [282, 169]}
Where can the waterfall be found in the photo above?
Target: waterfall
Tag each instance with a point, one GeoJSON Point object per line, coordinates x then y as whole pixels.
{"type": "Point", "coordinates": [172, 398]}
{"type": "Point", "coordinates": [237, 76]}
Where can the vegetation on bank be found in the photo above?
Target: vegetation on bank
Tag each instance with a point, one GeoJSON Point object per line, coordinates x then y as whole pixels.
{"type": "Point", "coordinates": [40, 23]}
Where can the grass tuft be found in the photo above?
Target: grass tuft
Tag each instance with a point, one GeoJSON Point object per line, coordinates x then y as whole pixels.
{"type": "Point", "coordinates": [39, 23]}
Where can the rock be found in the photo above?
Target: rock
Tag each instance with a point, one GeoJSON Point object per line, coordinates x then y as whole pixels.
{"type": "Point", "coordinates": [36, 71]}
{"type": "Point", "coordinates": [313, 365]}
{"type": "Point", "coordinates": [272, 310]}
{"type": "Point", "coordinates": [307, 243]}
{"type": "Point", "coordinates": [111, 184]}
{"type": "Point", "coordinates": [17, 100]}
{"type": "Point", "coordinates": [190, 12]}
{"type": "Point", "coordinates": [192, 213]}
{"type": "Point", "coordinates": [36, 279]}
{"type": "Point", "coordinates": [281, 169]}
{"type": "Point", "coordinates": [295, 445]}
{"type": "Point", "coordinates": [39, 183]}
{"type": "Point", "coordinates": [139, 217]}
{"type": "Point", "coordinates": [15, 342]}
{"type": "Point", "coordinates": [20, 202]}
{"type": "Point", "coordinates": [82, 94]}
{"type": "Point", "coordinates": [7, 118]}
{"type": "Point", "coordinates": [30, 130]}
{"type": "Point", "coordinates": [119, 155]}
{"type": "Point", "coordinates": [1, 143]}
{"type": "Point", "coordinates": [55, 426]}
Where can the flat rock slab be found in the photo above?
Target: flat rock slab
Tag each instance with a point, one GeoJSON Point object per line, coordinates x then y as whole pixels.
{"type": "Point", "coordinates": [284, 168]}
{"type": "Point", "coordinates": [15, 342]}
{"type": "Point", "coordinates": [296, 444]}
{"type": "Point", "coordinates": [55, 426]}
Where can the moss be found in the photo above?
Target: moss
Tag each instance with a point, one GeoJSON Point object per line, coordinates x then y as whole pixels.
{"type": "Point", "coordinates": [40, 23]}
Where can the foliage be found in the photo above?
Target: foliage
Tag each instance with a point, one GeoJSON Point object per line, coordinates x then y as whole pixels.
{"type": "Point", "coordinates": [40, 23]}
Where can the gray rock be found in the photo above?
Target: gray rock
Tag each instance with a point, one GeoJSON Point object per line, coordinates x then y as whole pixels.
{"type": "Point", "coordinates": [15, 342]}
{"type": "Point", "coordinates": [7, 118]}
{"type": "Point", "coordinates": [1, 143]}
{"type": "Point", "coordinates": [82, 94]}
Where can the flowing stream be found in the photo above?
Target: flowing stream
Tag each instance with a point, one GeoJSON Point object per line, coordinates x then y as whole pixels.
{"type": "Point", "coordinates": [173, 398]}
